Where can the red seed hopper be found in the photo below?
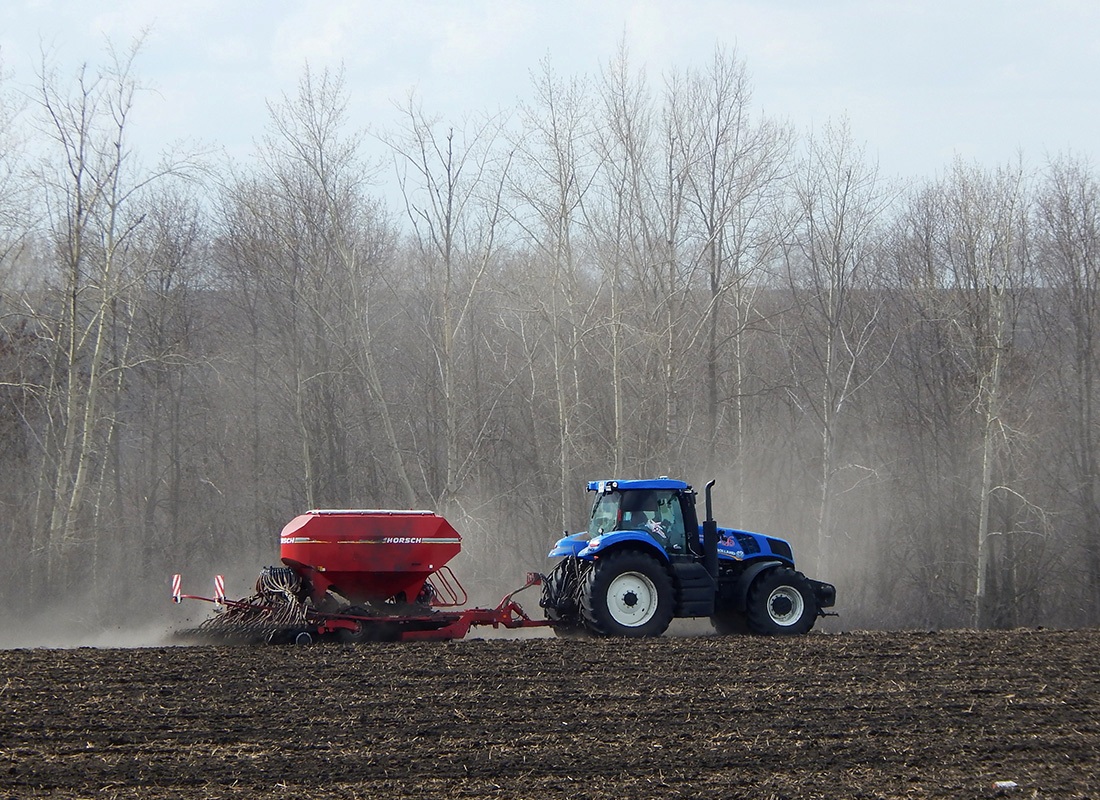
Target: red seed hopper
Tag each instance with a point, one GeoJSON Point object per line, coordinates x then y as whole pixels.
{"type": "Point", "coordinates": [358, 575]}
{"type": "Point", "coordinates": [373, 556]}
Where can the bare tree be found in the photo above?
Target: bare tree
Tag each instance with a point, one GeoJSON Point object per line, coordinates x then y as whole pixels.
{"type": "Point", "coordinates": [1068, 258]}
{"type": "Point", "coordinates": [305, 241]}
{"type": "Point", "coordinates": [20, 383]}
{"type": "Point", "coordinates": [733, 168]}
{"type": "Point", "coordinates": [15, 196]}
{"type": "Point", "coordinates": [452, 182]}
{"type": "Point", "coordinates": [929, 417]}
{"type": "Point", "coordinates": [839, 202]}
{"type": "Point", "coordinates": [94, 200]}
{"type": "Point", "coordinates": [980, 259]}
{"type": "Point", "coordinates": [168, 323]}
{"type": "Point", "coordinates": [555, 169]}
{"type": "Point", "coordinates": [626, 229]}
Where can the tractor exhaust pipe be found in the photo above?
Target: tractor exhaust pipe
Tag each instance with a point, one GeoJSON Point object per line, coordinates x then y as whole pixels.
{"type": "Point", "coordinates": [710, 537]}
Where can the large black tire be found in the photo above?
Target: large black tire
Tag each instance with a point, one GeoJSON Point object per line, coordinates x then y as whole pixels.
{"type": "Point", "coordinates": [627, 593]}
{"type": "Point", "coordinates": [558, 601]}
{"type": "Point", "coordinates": [730, 622]}
{"type": "Point", "coordinates": [781, 602]}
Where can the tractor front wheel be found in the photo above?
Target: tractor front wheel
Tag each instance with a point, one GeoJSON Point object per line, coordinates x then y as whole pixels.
{"type": "Point", "coordinates": [627, 593]}
{"type": "Point", "coordinates": [781, 602]}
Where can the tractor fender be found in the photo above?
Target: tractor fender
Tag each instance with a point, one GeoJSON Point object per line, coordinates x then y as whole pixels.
{"type": "Point", "coordinates": [605, 542]}
{"type": "Point", "coordinates": [568, 545]}
{"type": "Point", "coordinates": [741, 590]}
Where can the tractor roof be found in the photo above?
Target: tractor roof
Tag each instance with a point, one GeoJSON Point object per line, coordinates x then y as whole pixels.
{"type": "Point", "coordinates": [626, 486]}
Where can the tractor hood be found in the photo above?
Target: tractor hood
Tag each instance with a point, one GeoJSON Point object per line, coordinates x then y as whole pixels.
{"type": "Point", "coordinates": [738, 545]}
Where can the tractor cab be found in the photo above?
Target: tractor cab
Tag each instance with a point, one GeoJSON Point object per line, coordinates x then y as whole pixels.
{"type": "Point", "coordinates": [656, 515]}
{"type": "Point", "coordinates": [658, 511]}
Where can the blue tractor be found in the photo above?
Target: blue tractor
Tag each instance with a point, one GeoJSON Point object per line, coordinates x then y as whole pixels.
{"type": "Point", "coordinates": [645, 560]}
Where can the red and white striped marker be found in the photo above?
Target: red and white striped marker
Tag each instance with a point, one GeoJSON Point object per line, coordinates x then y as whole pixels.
{"type": "Point", "coordinates": [219, 589]}
{"type": "Point", "coordinates": [176, 584]}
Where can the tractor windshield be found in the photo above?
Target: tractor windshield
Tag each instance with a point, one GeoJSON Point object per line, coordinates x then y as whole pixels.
{"type": "Point", "coordinates": [605, 514]}
{"type": "Point", "coordinates": [656, 511]}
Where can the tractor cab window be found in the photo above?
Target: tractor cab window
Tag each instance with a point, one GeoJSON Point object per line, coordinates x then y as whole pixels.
{"type": "Point", "coordinates": [670, 518]}
{"type": "Point", "coordinates": [656, 512]}
{"type": "Point", "coordinates": [605, 514]}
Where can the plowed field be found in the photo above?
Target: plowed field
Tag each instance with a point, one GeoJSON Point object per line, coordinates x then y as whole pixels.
{"type": "Point", "coordinates": [823, 716]}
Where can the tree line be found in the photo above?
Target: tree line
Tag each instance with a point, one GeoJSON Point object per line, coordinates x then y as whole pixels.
{"type": "Point", "coordinates": [623, 276]}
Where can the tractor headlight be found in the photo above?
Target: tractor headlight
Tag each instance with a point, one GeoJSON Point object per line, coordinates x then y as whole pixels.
{"type": "Point", "coordinates": [594, 544]}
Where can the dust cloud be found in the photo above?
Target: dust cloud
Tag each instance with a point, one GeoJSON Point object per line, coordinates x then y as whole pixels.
{"type": "Point", "coordinates": [54, 633]}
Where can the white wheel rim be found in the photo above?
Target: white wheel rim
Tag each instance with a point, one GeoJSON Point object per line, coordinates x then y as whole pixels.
{"type": "Point", "coordinates": [632, 599]}
{"type": "Point", "coordinates": [793, 598]}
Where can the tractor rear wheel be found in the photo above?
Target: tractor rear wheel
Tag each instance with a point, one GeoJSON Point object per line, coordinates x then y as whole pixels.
{"type": "Point", "coordinates": [627, 593]}
{"type": "Point", "coordinates": [781, 602]}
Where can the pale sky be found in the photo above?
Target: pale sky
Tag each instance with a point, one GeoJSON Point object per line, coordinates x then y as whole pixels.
{"type": "Point", "coordinates": [919, 81]}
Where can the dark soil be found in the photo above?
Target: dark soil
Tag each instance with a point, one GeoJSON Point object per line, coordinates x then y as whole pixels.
{"type": "Point", "coordinates": [855, 715]}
